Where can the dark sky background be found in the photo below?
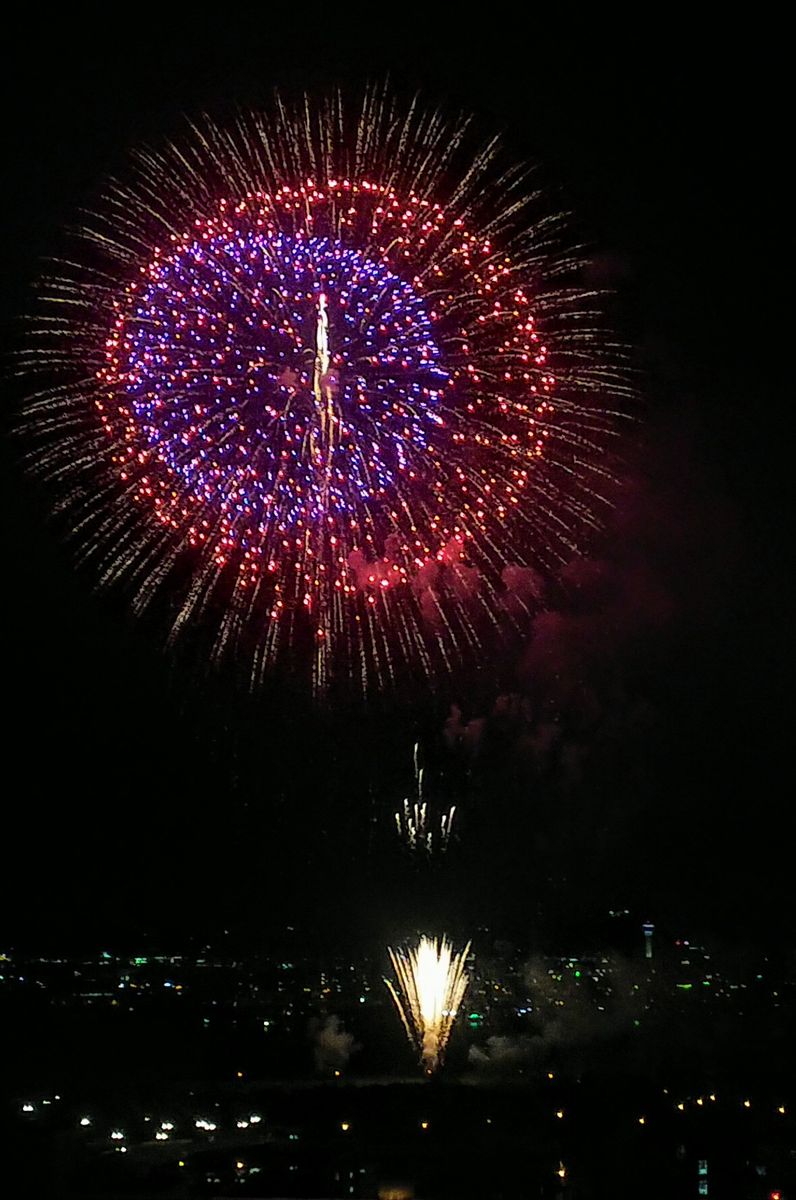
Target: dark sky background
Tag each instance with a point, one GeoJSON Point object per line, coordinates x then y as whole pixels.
{"type": "Point", "coordinates": [140, 803]}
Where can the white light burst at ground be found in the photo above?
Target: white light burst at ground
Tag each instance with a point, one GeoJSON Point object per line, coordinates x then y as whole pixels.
{"type": "Point", "coordinates": [431, 986]}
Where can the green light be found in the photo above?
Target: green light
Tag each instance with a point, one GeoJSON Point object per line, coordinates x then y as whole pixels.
{"type": "Point", "coordinates": [577, 974]}
{"type": "Point", "coordinates": [685, 986]}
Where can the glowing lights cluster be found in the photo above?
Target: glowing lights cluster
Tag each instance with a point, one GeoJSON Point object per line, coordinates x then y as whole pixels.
{"type": "Point", "coordinates": [419, 826]}
{"type": "Point", "coordinates": [420, 831]}
{"type": "Point", "coordinates": [430, 989]}
{"type": "Point", "coordinates": [339, 402]}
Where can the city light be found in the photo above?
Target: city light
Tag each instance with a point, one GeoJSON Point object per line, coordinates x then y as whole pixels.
{"type": "Point", "coordinates": [496, 992]}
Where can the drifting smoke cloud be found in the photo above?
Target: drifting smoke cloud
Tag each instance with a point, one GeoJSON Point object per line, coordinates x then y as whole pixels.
{"type": "Point", "coordinates": [444, 573]}
{"type": "Point", "coordinates": [608, 697]}
{"type": "Point", "coordinates": [507, 1055]}
{"type": "Point", "coordinates": [332, 1046]}
{"type": "Point", "coordinates": [573, 1020]}
{"type": "Point", "coordinates": [615, 1014]}
{"type": "Point", "coordinates": [524, 588]}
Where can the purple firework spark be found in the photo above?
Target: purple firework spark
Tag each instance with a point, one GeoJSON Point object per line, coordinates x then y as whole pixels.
{"type": "Point", "coordinates": [328, 390]}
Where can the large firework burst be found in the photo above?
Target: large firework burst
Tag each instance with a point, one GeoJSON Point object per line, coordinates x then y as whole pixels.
{"type": "Point", "coordinates": [325, 380]}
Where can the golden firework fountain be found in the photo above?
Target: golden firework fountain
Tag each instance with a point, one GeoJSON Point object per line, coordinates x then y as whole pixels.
{"type": "Point", "coordinates": [430, 989]}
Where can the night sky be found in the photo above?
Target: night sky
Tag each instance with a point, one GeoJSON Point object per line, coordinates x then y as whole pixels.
{"type": "Point", "coordinates": [146, 799]}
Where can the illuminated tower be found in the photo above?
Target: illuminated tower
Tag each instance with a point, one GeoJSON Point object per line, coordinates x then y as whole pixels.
{"type": "Point", "coordinates": [649, 929]}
